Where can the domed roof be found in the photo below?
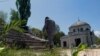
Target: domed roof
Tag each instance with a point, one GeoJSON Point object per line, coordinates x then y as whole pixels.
{"type": "Point", "coordinates": [79, 23]}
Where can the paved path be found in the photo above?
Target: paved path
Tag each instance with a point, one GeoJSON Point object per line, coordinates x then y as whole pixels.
{"type": "Point", "coordinates": [88, 52]}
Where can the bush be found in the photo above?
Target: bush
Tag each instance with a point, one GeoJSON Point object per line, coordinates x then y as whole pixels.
{"type": "Point", "coordinates": [51, 53]}
{"type": "Point", "coordinates": [14, 52]}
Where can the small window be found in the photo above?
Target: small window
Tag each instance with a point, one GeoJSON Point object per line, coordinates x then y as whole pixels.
{"type": "Point", "coordinates": [78, 30]}
{"type": "Point", "coordinates": [87, 29]}
{"type": "Point", "coordinates": [91, 33]}
{"type": "Point", "coordinates": [74, 30]}
{"type": "Point", "coordinates": [81, 29]}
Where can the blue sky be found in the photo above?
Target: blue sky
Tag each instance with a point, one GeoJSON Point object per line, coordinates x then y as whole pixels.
{"type": "Point", "coordinates": [63, 12]}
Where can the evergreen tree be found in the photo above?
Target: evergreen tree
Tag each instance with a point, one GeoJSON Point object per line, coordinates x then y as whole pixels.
{"type": "Point", "coordinates": [23, 7]}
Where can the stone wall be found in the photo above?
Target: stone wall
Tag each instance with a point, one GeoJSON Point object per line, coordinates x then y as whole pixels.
{"type": "Point", "coordinates": [28, 39]}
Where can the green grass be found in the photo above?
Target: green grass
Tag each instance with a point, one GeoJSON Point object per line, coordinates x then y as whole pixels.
{"type": "Point", "coordinates": [53, 52]}
{"type": "Point", "coordinates": [28, 52]}
{"type": "Point", "coordinates": [14, 52]}
{"type": "Point", "coordinates": [2, 48]}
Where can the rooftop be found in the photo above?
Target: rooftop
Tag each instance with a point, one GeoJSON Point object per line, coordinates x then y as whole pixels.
{"type": "Point", "coordinates": [79, 23]}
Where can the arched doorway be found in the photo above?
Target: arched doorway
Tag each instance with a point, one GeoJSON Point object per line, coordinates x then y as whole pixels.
{"type": "Point", "coordinates": [77, 41]}
{"type": "Point", "coordinates": [64, 44]}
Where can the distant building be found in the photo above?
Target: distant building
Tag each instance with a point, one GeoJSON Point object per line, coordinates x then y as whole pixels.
{"type": "Point", "coordinates": [79, 32]}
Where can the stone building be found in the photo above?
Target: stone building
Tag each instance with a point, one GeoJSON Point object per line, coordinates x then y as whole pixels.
{"type": "Point", "coordinates": [79, 32]}
{"type": "Point", "coordinates": [26, 39]}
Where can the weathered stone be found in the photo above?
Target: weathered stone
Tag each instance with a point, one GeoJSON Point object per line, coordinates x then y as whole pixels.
{"type": "Point", "coordinates": [28, 39]}
{"type": "Point", "coordinates": [79, 32]}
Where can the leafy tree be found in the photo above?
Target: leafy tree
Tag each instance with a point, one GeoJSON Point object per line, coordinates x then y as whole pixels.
{"type": "Point", "coordinates": [45, 34]}
{"type": "Point", "coordinates": [14, 15]}
{"type": "Point", "coordinates": [57, 37]}
{"type": "Point", "coordinates": [57, 29]}
{"type": "Point", "coordinates": [37, 32]}
{"type": "Point", "coordinates": [23, 7]}
{"type": "Point", "coordinates": [3, 17]}
{"type": "Point", "coordinates": [97, 40]}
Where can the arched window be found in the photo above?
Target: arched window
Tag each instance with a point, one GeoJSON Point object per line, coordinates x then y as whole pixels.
{"type": "Point", "coordinates": [78, 29]}
{"type": "Point", "coordinates": [81, 29]}
{"type": "Point", "coordinates": [87, 29]}
{"type": "Point", "coordinates": [64, 44]}
{"type": "Point", "coordinates": [74, 30]}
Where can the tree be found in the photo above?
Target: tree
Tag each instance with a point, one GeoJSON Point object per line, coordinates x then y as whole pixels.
{"type": "Point", "coordinates": [57, 37]}
{"type": "Point", "coordinates": [3, 17]}
{"type": "Point", "coordinates": [14, 15]}
{"type": "Point", "coordinates": [37, 32]}
{"type": "Point", "coordinates": [23, 7]}
{"type": "Point", "coordinates": [57, 29]}
{"type": "Point", "coordinates": [97, 40]}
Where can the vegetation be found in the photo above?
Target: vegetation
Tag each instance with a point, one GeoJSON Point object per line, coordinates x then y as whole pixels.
{"type": "Point", "coordinates": [37, 32]}
{"type": "Point", "coordinates": [3, 17]}
{"type": "Point", "coordinates": [53, 52]}
{"type": "Point", "coordinates": [97, 40]}
{"type": "Point", "coordinates": [23, 7]}
{"type": "Point", "coordinates": [57, 37]}
{"type": "Point", "coordinates": [29, 52]}
{"type": "Point", "coordinates": [81, 47]}
{"type": "Point", "coordinates": [19, 19]}
{"type": "Point", "coordinates": [14, 52]}
{"type": "Point", "coordinates": [14, 15]}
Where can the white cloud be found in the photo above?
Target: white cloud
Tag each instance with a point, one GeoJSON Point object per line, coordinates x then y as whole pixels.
{"type": "Point", "coordinates": [97, 33]}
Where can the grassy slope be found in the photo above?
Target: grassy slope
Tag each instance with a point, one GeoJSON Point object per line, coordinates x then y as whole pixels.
{"type": "Point", "coordinates": [14, 52]}
{"type": "Point", "coordinates": [28, 52]}
{"type": "Point", "coordinates": [1, 48]}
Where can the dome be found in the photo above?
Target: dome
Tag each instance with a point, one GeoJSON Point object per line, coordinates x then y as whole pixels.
{"type": "Point", "coordinates": [79, 23]}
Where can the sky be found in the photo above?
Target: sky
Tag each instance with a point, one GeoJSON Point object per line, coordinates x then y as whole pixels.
{"type": "Point", "coordinates": [63, 12]}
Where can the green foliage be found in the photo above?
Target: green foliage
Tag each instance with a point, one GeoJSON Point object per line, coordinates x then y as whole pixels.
{"type": "Point", "coordinates": [15, 24]}
{"type": "Point", "coordinates": [3, 16]}
{"type": "Point", "coordinates": [37, 32]}
{"type": "Point", "coordinates": [79, 48]}
{"type": "Point", "coordinates": [23, 7]}
{"type": "Point", "coordinates": [28, 52]}
{"type": "Point", "coordinates": [57, 37]}
{"type": "Point", "coordinates": [97, 40]}
{"type": "Point", "coordinates": [14, 52]}
{"type": "Point", "coordinates": [45, 34]}
{"type": "Point", "coordinates": [52, 52]}
{"type": "Point", "coordinates": [14, 15]}
{"type": "Point", "coordinates": [57, 29]}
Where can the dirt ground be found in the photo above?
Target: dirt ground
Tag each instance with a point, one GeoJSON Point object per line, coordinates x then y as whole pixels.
{"type": "Point", "coordinates": [87, 52]}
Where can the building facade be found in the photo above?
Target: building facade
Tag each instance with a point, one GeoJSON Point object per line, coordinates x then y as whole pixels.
{"type": "Point", "coordinates": [79, 32]}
